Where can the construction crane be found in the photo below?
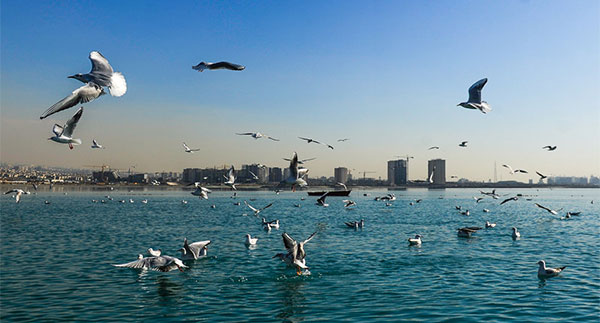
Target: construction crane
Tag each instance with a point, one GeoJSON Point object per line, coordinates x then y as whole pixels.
{"type": "Point", "coordinates": [367, 172]}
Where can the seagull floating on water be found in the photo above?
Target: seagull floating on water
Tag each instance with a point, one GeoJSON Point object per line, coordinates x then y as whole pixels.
{"type": "Point", "coordinates": [466, 232]}
{"type": "Point", "coordinates": [218, 66]}
{"type": "Point", "coordinates": [250, 241]}
{"type": "Point", "coordinates": [415, 241]}
{"type": "Point", "coordinates": [515, 233]}
{"type": "Point", "coordinates": [356, 224]}
{"type": "Point", "coordinates": [63, 135]}
{"type": "Point", "coordinates": [489, 225]}
{"type": "Point", "coordinates": [296, 256]}
{"type": "Point", "coordinates": [475, 101]}
{"type": "Point", "coordinates": [194, 250]}
{"type": "Point", "coordinates": [257, 135]}
{"type": "Point", "coordinates": [544, 272]}
{"type": "Point", "coordinates": [270, 224]}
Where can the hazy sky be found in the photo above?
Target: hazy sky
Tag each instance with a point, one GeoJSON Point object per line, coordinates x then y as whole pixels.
{"type": "Point", "coordinates": [387, 74]}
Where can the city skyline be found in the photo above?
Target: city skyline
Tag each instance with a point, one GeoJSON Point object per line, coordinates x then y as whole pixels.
{"type": "Point", "coordinates": [349, 73]}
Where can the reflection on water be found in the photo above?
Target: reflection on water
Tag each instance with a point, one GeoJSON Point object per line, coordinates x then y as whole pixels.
{"type": "Point", "coordinates": [292, 299]}
{"type": "Point", "coordinates": [167, 289]}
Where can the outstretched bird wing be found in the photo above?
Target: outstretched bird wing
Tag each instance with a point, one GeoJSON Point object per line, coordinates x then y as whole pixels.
{"type": "Point", "coordinates": [86, 93]}
{"type": "Point", "coordinates": [475, 91]}
{"type": "Point", "coordinates": [100, 63]}
{"type": "Point", "coordinates": [72, 123]}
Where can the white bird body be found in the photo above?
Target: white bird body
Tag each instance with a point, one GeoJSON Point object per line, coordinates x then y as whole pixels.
{"type": "Point", "coordinates": [64, 134]}
{"type": "Point", "coordinates": [251, 241]}
{"type": "Point", "coordinates": [201, 192]}
{"type": "Point", "coordinates": [415, 241]}
{"type": "Point", "coordinates": [296, 174]}
{"type": "Point", "coordinates": [188, 149]}
{"type": "Point", "coordinates": [544, 272]}
{"type": "Point", "coordinates": [489, 225]}
{"type": "Point", "coordinates": [296, 256]}
{"type": "Point", "coordinates": [515, 233]}
{"type": "Point", "coordinates": [154, 253]}
{"type": "Point", "coordinates": [230, 178]}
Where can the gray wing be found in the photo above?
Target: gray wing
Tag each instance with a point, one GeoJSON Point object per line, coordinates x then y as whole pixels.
{"type": "Point", "coordinates": [200, 244]}
{"type": "Point", "coordinates": [231, 174]}
{"type": "Point", "coordinates": [308, 159]}
{"type": "Point", "coordinates": [288, 242]}
{"type": "Point", "coordinates": [475, 91]}
{"type": "Point", "coordinates": [267, 206]}
{"type": "Point", "coordinates": [86, 93]}
{"type": "Point", "coordinates": [190, 250]}
{"type": "Point", "coordinates": [138, 264]}
{"type": "Point", "coordinates": [245, 134]}
{"type": "Point", "coordinates": [72, 123]}
{"type": "Point", "coordinates": [310, 237]}
{"type": "Point", "coordinates": [294, 165]}
{"type": "Point", "coordinates": [100, 63]}
{"type": "Point", "coordinates": [323, 197]}
{"type": "Point", "coordinates": [227, 65]}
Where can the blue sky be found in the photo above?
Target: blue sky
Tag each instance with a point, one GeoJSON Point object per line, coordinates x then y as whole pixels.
{"type": "Point", "coordinates": [387, 74]}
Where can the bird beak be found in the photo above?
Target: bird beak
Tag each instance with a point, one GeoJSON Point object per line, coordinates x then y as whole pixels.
{"type": "Point", "coordinates": [71, 77]}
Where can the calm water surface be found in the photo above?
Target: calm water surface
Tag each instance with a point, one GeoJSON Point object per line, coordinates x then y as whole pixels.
{"type": "Point", "coordinates": [56, 259]}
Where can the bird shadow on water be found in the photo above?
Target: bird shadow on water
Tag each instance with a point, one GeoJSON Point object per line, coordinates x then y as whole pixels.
{"type": "Point", "coordinates": [168, 290]}
{"type": "Point", "coordinates": [293, 300]}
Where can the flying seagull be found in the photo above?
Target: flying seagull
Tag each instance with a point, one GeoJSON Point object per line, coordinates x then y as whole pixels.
{"type": "Point", "coordinates": [549, 148]}
{"type": "Point", "coordinates": [103, 75]}
{"type": "Point", "coordinates": [309, 140]}
{"type": "Point", "coordinates": [463, 144]}
{"type": "Point", "coordinates": [296, 174]}
{"type": "Point", "coordinates": [194, 250]}
{"type": "Point", "coordinates": [257, 135]}
{"type": "Point", "coordinates": [300, 162]}
{"type": "Point", "coordinates": [161, 263]}
{"type": "Point", "coordinates": [64, 134]}
{"type": "Point", "coordinates": [255, 210]}
{"type": "Point", "coordinates": [475, 101]}
{"type": "Point", "coordinates": [548, 209]}
{"type": "Point", "coordinates": [433, 147]}
{"type": "Point", "coordinates": [512, 171]}
{"type": "Point", "coordinates": [321, 200]}
{"type": "Point", "coordinates": [230, 178]}
{"type": "Point", "coordinates": [188, 150]}
{"type": "Point", "coordinates": [544, 272]}
{"type": "Point", "coordinates": [96, 145]}
{"type": "Point", "coordinates": [253, 175]}
{"type": "Point", "coordinates": [201, 192]}
{"type": "Point", "coordinates": [328, 146]}
{"type": "Point", "coordinates": [349, 203]}
{"type": "Point", "coordinates": [542, 176]}
{"type": "Point", "coordinates": [344, 139]}
{"type": "Point", "coordinates": [509, 199]}
{"type": "Point", "coordinates": [296, 256]}
{"type": "Point", "coordinates": [18, 194]}
{"type": "Point", "coordinates": [218, 66]}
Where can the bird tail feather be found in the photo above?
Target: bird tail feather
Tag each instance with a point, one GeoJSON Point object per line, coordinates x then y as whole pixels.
{"type": "Point", "coordinates": [118, 86]}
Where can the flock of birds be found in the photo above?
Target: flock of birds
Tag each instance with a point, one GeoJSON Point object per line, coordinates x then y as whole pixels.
{"type": "Point", "coordinates": [103, 76]}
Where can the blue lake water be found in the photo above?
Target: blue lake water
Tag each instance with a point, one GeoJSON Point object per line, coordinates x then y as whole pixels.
{"type": "Point", "coordinates": [56, 259]}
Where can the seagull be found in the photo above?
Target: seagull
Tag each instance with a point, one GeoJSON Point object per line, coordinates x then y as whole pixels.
{"type": "Point", "coordinates": [349, 203]}
{"type": "Point", "coordinates": [573, 213]}
{"type": "Point", "coordinates": [194, 250]}
{"type": "Point", "coordinates": [515, 233]}
{"type": "Point", "coordinates": [549, 148]}
{"type": "Point", "coordinates": [250, 241]}
{"type": "Point", "coordinates": [96, 145]}
{"type": "Point", "coordinates": [544, 272]}
{"type": "Point", "coordinates": [46, 202]}
{"type": "Point", "coordinates": [253, 175]}
{"type": "Point", "coordinates": [466, 232]}
{"type": "Point", "coordinates": [257, 135]}
{"type": "Point", "coordinates": [218, 66]}
{"type": "Point", "coordinates": [514, 198]}
{"type": "Point", "coordinates": [270, 224]}
{"type": "Point", "coordinates": [296, 175]}
{"type": "Point", "coordinates": [161, 263]}
{"type": "Point", "coordinates": [255, 210]}
{"type": "Point", "coordinates": [230, 178]}
{"type": "Point", "coordinates": [548, 209]}
{"type": "Point", "coordinates": [477, 199]}
{"type": "Point", "coordinates": [433, 147]}
{"type": "Point", "coordinates": [416, 241]}
{"type": "Point", "coordinates": [475, 101]}
{"type": "Point", "coordinates": [430, 180]}
{"type": "Point", "coordinates": [201, 192]}
{"type": "Point", "coordinates": [296, 256]}
{"type": "Point", "coordinates": [144, 201]}
{"type": "Point", "coordinates": [356, 224]}
{"type": "Point", "coordinates": [489, 225]}
{"type": "Point", "coordinates": [154, 253]}
{"type": "Point", "coordinates": [309, 140]}
{"type": "Point", "coordinates": [486, 210]}
{"type": "Point", "coordinates": [321, 200]}
{"type": "Point", "coordinates": [18, 194]}
{"type": "Point", "coordinates": [184, 202]}
{"type": "Point", "coordinates": [467, 213]}
{"type": "Point", "coordinates": [343, 185]}
{"type": "Point", "coordinates": [64, 134]}
{"type": "Point", "coordinates": [300, 162]}
{"type": "Point", "coordinates": [344, 139]}
{"type": "Point", "coordinates": [328, 146]}
{"type": "Point", "coordinates": [542, 176]}
{"type": "Point", "coordinates": [515, 170]}
{"type": "Point", "coordinates": [103, 75]}
{"type": "Point", "coordinates": [463, 144]}
{"type": "Point", "coordinates": [188, 150]}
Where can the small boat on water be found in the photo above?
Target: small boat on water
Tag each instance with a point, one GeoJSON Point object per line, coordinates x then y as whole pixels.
{"type": "Point", "coordinates": [331, 193]}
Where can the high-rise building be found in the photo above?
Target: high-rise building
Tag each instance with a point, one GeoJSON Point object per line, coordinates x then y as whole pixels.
{"type": "Point", "coordinates": [275, 174]}
{"type": "Point", "coordinates": [438, 168]}
{"type": "Point", "coordinates": [397, 172]}
{"type": "Point", "coordinates": [340, 174]}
